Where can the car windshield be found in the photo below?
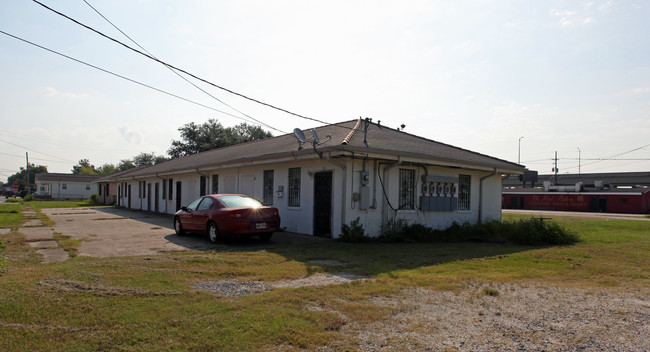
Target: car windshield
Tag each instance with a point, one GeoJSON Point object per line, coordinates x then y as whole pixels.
{"type": "Point", "coordinates": [239, 201]}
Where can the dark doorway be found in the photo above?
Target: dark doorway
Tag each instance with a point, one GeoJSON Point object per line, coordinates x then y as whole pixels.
{"type": "Point", "coordinates": [128, 200]}
{"type": "Point", "coordinates": [148, 196]}
{"type": "Point", "coordinates": [178, 196]}
{"type": "Point", "coordinates": [323, 204]}
{"type": "Point", "coordinates": [157, 196]}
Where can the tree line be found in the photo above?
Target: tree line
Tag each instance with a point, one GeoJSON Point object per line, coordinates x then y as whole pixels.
{"type": "Point", "coordinates": [194, 139]}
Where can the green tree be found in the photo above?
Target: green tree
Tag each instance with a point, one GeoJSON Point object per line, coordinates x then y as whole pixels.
{"type": "Point", "coordinates": [107, 169]}
{"type": "Point", "coordinates": [211, 134]}
{"type": "Point", "coordinates": [21, 177]}
{"type": "Point", "coordinates": [125, 164]}
{"type": "Point", "coordinates": [148, 159]}
{"type": "Point", "coordinates": [84, 168]}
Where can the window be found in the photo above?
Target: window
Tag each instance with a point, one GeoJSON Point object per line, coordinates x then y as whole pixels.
{"type": "Point", "coordinates": [87, 186]}
{"type": "Point", "coordinates": [268, 187]}
{"type": "Point", "coordinates": [215, 184]}
{"type": "Point", "coordinates": [144, 189]}
{"type": "Point", "coordinates": [206, 204]}
{"type": "Point", "coordinates": [164, 189]}
{"type": "Point", "coordinates": [192, 206]}
{"type": "Point", "coordinates": [294, 187]}
{"type": "Point", "coordinates": [171, 188]}
{"type": "Point", "coordinates": [100, 189]}
{"type": "Point", "coordinates": [204, 186]}
{"type": "Point", "coordinates": [464, 186]}
{"type": "Point", "coordinates": [406, 189]}
{"type": "Point", "coordinates": [64, 186]}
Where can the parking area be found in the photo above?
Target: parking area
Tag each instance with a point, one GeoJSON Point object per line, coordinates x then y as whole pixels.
{"type": "Point", "coordinates": [110, 232]}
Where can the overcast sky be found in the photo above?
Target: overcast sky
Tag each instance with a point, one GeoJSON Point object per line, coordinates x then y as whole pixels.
{"type": "Point", "coordinates": [567, 76]}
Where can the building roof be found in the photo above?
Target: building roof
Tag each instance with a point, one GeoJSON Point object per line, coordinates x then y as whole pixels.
{"type": "Point", "coordinates": [587, 191]}
{"type": "Point", "coordinates": [342, 137]}
{"type": "Point", "coordinates": [44, 177]}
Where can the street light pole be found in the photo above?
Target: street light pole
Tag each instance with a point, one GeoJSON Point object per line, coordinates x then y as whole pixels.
{"type": "Point", "coordinates": [519, 151]}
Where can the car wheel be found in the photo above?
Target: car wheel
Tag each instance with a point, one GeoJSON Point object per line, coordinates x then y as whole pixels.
{"type": "Point", "coordinates": [213, 232]}
{"type": "Point", "coordinates": [265, 237]}
{"type": "Point", "coordinates": [178, 227]}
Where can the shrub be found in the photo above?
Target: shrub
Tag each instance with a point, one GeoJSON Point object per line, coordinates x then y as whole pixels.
{"type": "Point", "coordinates": [12, 200]}
{"type": "Point", "coordinates": [353, 232]}
{"type": "Point", "coordinates": [534, 232]}
{"type": "Point", "coordinates": [28, 198]}
{"type": "Point", "coordinates": [94, 199]}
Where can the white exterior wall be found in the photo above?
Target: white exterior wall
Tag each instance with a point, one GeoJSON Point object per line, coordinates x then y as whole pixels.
{"type": "Point", "coordinates": [345, 182]}
{"type": "Point", "coordinates": [73, 190]}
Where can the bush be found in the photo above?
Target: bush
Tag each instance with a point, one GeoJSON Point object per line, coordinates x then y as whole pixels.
{"type": "Point", "coordinates": [12, 200]}
{"type": "Point", "coordinates": [93, 199]}
{"type": "Point", "coordinates": [353, 232]}
{"type": "Point", "coordinates": [28, 198]}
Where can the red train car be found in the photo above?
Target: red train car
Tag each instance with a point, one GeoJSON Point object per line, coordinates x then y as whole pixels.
{"type": "Point", "coordinates": [616, 200]}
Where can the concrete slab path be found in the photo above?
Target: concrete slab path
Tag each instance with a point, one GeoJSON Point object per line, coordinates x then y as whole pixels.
{"type": "Point", "coordinates": [53, 255]}
{"type": "Point", "coordinates": [37, 233]}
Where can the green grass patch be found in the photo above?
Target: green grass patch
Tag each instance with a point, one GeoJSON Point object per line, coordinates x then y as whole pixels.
{"type": "Point", "coordinates": [42, 204]}
{"type": "Point", "coordinates": [151, 303]}
{"type": "Point", "coordinates": [10, 215]}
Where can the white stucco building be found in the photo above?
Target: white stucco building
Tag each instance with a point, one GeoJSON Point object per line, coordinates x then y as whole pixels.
{"type": "Point", "coordinates": [65, 186]}
{"type": "Point", "coordinates": [359, 169]}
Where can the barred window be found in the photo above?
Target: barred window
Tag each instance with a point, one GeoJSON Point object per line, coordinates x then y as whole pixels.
{"type": "Point", "coordinates": [171, 188]}
{"type": "Point", "coordinates": [406, 189]}
{"type": "Point", "coordinates": [215, 184]}
{"type": "Point", "coordinates": [294, 187]}
{"type": "Point", "coordinates": [464, 185]}
{"type": "Point", "coordinates": [268, 187]}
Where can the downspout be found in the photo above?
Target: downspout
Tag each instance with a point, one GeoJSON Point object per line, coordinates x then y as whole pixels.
{"type": "Point", "coordinates": [480, 194]}
{"type": "Point", "coordinates": [345, 178]}
{"type": "Point", "coordinates": [384, 205]}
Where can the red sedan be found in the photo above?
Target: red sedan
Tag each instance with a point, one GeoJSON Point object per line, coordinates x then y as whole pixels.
{"type": "Point", "coordinates": [221, 215]}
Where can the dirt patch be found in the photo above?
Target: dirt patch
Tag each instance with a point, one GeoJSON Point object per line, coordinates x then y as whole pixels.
{"type": "Point", "coordinates": [98, 289]}
{"type": "Point", "coordinates": [241, 288]}
{"type": "Point", "coordinates": [518, 318]}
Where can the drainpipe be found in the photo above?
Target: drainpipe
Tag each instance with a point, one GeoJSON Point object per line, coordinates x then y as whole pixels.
{"type": "Point", "coordinates": [345, 178]}
{"type": "Point", "coordinates": [384, 205]}
{"type": "Point", "coordinates": [480, 194]}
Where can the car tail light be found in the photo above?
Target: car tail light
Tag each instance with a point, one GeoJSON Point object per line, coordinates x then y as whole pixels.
{"type": "Point", "coordinates": [235, 214]}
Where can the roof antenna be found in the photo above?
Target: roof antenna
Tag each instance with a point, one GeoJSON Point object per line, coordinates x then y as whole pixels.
{"type": "Point", "coordinates": [367, 122]}
{"type": "Point", "coordinates": [403, 126]}
{"type": "Point", "coordinates": [317, 141]}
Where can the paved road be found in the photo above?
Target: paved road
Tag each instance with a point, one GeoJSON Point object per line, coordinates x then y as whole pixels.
{"type": "Point", "coordinates": [111, 232]}
{"type": "Point", "coordinates": [614, 216]}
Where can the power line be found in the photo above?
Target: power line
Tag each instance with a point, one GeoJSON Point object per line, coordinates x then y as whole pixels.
{"type": "Point", "coordinates": [178, 74]}
{"type": "Point", "coordinates": [22, 157]}
{"type": "Point", "coordinates": [36, 151]}
{"type": "Point", "coordinates": [123, 77]}
{"type": "Point", "coordinates": [185, 72]}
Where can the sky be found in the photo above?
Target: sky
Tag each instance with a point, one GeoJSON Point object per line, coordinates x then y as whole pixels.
{"type": "Point", "coordinates": [507, 78]}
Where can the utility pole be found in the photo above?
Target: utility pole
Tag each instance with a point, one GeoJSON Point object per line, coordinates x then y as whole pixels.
{"type": "Point", "coordinates": [579, 158]}
{"type": "Point", "coordinates": [555, 169]}
{"type": "Point", "coordinates": [519, 151]}
{"type": "Point", "coordinates": [27, 171]}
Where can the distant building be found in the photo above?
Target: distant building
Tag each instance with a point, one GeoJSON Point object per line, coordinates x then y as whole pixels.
{"type": "Point", "coordinates": [65, 186]}
{"type": "Point", "coordinates": [626, 192]}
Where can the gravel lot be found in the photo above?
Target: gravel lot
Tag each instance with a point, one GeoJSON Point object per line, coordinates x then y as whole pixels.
{"type": "Point", "coordinates": [510, 318]}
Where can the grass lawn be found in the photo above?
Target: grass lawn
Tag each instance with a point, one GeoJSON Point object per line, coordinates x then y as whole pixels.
{"type": "Point", "coordinates": [149, 303]}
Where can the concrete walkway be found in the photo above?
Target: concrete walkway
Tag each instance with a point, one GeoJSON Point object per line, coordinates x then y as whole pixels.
{"type": "Point", "coordinates": [42, 238]}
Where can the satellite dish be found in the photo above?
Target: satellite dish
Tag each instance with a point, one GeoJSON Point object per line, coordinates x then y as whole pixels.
{"type": "Point", "coordinates": [299, 134]}
{"type": "Point", "coordinates": [316, 139]}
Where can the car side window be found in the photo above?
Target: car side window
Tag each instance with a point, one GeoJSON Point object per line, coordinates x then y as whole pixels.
{"type": "Point", "coordinates": [205, 204]}
{"type": "Point", "coordinates": [192, 206]}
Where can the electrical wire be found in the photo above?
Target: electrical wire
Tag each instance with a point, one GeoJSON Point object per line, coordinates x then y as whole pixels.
{"type": "Point", "coordinates": [184, 71]}
{"type": "Point", "coordinates": [123, 77]}
{"type": "Point", "coordinates": [179, 75]}
{"type": "Point", "coordinates": [36, 151]}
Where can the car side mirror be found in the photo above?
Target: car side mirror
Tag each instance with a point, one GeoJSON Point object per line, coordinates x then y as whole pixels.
{"type": "Point", "coordinates": [184, 209]}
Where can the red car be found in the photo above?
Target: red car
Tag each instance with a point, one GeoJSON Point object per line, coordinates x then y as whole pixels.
{"type": "Point", "coordinates": [221, 215]}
